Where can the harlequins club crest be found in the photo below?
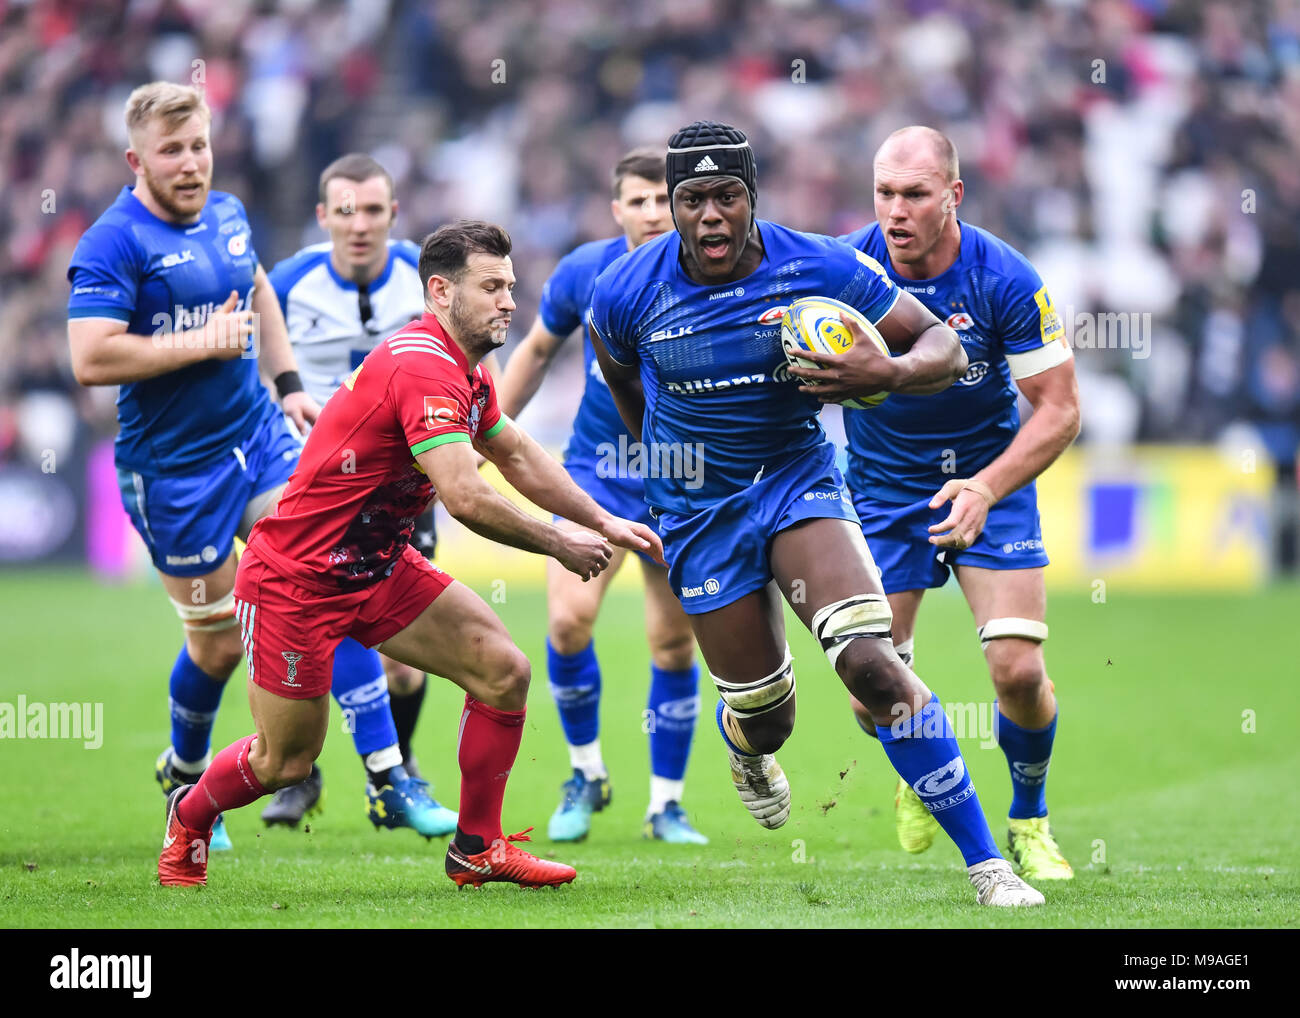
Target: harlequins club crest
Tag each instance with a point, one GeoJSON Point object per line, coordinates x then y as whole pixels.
{"type": "Point", "coordinates": [292, 657]}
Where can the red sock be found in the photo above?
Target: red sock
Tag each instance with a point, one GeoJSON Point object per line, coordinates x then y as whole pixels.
{"type": "Point", "coordinates": [489, 743]}
{"type": "Point", "coordinates": [228, 783]}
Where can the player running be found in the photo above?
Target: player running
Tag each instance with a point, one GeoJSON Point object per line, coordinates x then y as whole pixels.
{"type": "Point", "coordinates": [982, 524]}
{"type": "Point", "coordinates": [335, 560]}
{"type": "Point", "coordinates": [693, 316]}
{"type": "Point", "coordinates": [640, 207]}
{"type": "Point", "coordinates": [339, 299]}
{"type": "Point", "coordinates": [166, 289]}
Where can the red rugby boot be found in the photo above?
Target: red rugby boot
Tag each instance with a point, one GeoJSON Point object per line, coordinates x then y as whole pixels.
{"type": "Point", "coordinates": [503, 861]}
{"type": "Point", "coordinates": [184, 859]}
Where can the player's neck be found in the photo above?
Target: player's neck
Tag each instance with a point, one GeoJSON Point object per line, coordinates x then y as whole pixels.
{"type": "Point", "coordinates": [145, 197]}
{"type": "Point", "coordinates": [360, 274]}
{"type": "Point", "coordinates": [938, 260]}
{"type": "Point", "coordinates": [472, 357]}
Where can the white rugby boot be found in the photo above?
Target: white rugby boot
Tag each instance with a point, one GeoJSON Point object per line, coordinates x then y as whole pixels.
{"type": "Point", "coordinates": [762, 787]}
{"type": "Point", "coordinates": [996, 884]}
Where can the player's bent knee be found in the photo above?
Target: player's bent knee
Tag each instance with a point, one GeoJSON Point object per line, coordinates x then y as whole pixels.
{"type": "Point", "coordinates": [402, 678]}
{"type": "Point", "coordinates": [874, 674]}
{"type": "Point", "coordinates": [506, 678]}
{"type": "Point", "coordinates": [839, 623]}
{"type": "Point", "coordinates": [1013, 649]}
{"type": "Point", "coordinates": [570, 633]}
{"type": "Point", "coordinates": [765, 707]}
{"type": "Point", "coordinates": [215, 653]}
{"type": "Point", "coordinates": [674, 654]}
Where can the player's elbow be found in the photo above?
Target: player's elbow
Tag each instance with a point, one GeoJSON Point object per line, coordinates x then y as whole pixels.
{"type": "Point", "coordinates": [86, 371]}
{"type": "Point", "coordinates": [466, 502]}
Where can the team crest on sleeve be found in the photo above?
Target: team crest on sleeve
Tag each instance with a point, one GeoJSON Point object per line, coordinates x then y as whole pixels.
{"type": "Point", "coordinates": [475, 414]}
{"type": "Point", "coordinates": [1049, 322]}
{"type": "Point", "coordinates": [439, 411]}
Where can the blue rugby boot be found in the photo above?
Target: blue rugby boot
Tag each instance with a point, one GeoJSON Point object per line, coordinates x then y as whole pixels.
{"type": "Point", "coordinates": [571, 820]}
{"type": "Point", "coordinates": [406, 802]}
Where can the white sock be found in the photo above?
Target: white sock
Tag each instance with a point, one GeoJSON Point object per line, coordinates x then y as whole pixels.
{"type": "Point", "coordinates": [382, 759]}
{"type": "Point", "coordinates": [192, 766]}
{"type": "Point", "coordinates": [662, 792]}
{"type": "Point", "coordinates": [587, 759]}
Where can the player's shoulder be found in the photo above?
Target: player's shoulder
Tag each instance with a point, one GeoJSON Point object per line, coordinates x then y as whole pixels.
{"type": "Point", "coordinates": [286, 274]}
{"type": "Point", "coordinates": [989, 252]}
{"type": "Point", "coordinates": [406, 251]}
{"type": "Point", "coordinates": [651, 262]}
{"type": "Point", "coordinates": [114, 236]}
{"type": "Point", "coordinates": [592, 256]}
{"type": "Point", "coordinates": [224, 203]}
{"type": "Point", "coordinates": [867, 238]}
{"type": "Point", "coordinates": [417, 349]}
{"type": "Point", "coordinates": [784, 242]}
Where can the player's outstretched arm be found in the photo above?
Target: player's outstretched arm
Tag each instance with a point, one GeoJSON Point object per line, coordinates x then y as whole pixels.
{"type": "Point", "coordinates": [928, 357]}
{"type": "Point", "coordinates": [526, 368]}
{"type": "Point", "coordinates": [475, 503]}
{"type": "Point", "coordinates": [104, 353]}
{"type": "Point", "coordinates": [540, 478]}
{"type": "Point", "coordinates": [624, 383]}
{"type": "Point", "coordinates": [1054, 394]}
{"type": "Point", "coordinates": [275, 356]}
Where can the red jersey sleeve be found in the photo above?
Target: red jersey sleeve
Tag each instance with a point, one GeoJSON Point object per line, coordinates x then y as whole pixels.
{"type": "Point", "coordinates": [432, 410]}
{"type": "Point", "coordinates": [492, 420]}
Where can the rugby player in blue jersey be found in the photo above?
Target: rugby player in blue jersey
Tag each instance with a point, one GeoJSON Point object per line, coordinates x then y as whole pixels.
{"type": "Point", "coordinates": [592, 458]}
{"type": "Point", "coordinates": [946, 482]}
{"type": "Point", "coordinates": [340, 298]}
{"type": "Point", "coordinates": [691, 351]}
{"type": "Point", "coordinates": [169, 303]}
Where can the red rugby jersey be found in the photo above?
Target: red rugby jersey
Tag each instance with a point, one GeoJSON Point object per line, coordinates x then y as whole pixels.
{"type": "Point", "coordinates": [351, 504]}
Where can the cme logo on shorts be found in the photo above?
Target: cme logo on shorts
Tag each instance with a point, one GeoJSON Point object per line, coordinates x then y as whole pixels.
{"type": "Point", "coordinates": [237, 244]}
{"type": "Point", "coordinates": [960, 321]}
{"type": "Point", "coordinates": [439, 411]}
{"type": "Point", "coordinates": [1035, 544]}
{"type": "Point", "coordinates": [822, 496]}
{"type": "Point", "coordinates": [974, 374]}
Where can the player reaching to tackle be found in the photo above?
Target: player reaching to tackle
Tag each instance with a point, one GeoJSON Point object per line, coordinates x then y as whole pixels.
{"type": "Point", "coordinates": [919, 519]}
{"type": "Point", "coordinates": [339, 299]}
{"type": "Point", "coordinates": [640, 207]}
{"type": "Point", "coordinates": [335, 560]}
{"type": "Point", "coordinates": [690, 316]}
{"type": "Point", "coordinates": [166, 286]}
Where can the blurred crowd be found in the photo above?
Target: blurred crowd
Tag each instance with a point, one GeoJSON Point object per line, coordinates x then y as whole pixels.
{"type": "Point", "coordinates": [1145, 154]}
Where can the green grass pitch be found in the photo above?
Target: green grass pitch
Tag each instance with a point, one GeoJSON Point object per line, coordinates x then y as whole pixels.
{"type": "Point", "coordinates": [1173, 811]}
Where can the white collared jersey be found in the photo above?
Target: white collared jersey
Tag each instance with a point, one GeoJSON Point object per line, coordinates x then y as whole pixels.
{"type": "Point", "coordinates": [323, 311]}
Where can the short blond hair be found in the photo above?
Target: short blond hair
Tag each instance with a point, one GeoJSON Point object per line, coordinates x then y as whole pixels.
{"type": "Point", "coordinates": [173, 103]}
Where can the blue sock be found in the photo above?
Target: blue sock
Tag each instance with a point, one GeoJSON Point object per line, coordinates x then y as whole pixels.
{"type": "Point", "coordinates": [195, 696]}
{"type": "Point", "coordinates": [924, 751]}
{"type": "Point", "coordinates": [1029, 752]}
{"type": "Point", "coordinates": [575, 684]}
{"type": "Point", "coordinates": [361, 690]}
{"type": "Point", "coordinates": [675, 702]}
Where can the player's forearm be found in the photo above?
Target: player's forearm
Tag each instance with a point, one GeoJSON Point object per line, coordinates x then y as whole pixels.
{"type": "Point", "coordinates": [630, 400]}
{"type": "Point", "coordinates": [1037, 445]}
{"type": "Point", "coordinates": [129, 357]}
{"type": "Point", "coordinates": [933, 363]}
{"type": "Point", "coordinates": [489, 515]}
{"type": "Point", "coordinates": [541, 479]}
{"type": "Point", "coordinates": [271, 336]}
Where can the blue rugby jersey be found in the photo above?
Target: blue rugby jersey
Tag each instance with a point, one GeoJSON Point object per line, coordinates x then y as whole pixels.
{"type": "Point", "coordinates": [710, 357]}
{"type": "Point", "coordinates": [566, 299]}
{"type": "Point", "coordinates": [1000, 309]}
{"type": "Point", "coordinates": [159, 277]}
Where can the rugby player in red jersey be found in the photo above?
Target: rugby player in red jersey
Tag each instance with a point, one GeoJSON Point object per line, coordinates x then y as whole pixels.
{"type": "Point", "coordinates": [335, 560]}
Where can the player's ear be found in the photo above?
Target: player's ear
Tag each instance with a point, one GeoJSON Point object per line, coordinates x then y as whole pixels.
{"type": "Point", "coordinates": [438, 292]}
{"type": "Point", "coordinates": [133, 160]}
{"type": "Point", "coordinates": [392, 213]}
{"type": "Point", "coordinates": [616, 210]}
{"type": "Point", "coordinates": [953, 196]}
{"type": "Point", "coordinates": [320, 215]}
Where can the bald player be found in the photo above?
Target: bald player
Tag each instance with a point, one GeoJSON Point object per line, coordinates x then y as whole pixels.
{"type": "Point", "coordinates": [945, 482]}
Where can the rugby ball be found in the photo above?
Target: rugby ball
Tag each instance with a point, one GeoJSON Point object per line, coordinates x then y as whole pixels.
{"type": "Point", "coordinates": [813, 323]}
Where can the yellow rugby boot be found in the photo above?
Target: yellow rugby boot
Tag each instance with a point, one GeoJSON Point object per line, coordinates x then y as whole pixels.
{"type": "Point", "coordinates": [915, 826]}
{"type": "Point", "coordinates": [1035, 851]}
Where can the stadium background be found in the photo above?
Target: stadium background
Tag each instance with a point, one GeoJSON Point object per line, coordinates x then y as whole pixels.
{"type": "Point", "coordinates": [1145, 155]}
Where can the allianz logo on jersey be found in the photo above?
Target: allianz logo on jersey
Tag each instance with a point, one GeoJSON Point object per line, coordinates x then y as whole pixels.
{"type": "Point", "coordinates": [177, 258]}
{"type": "Point", "coordinates": [710, 384]}
{"type": "Point", "coordinates": [738, 291]}
{"type": "Point", "coordinates": [710, 587]}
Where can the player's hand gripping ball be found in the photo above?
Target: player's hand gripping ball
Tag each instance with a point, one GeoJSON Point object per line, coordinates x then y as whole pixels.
{"type": "Point", "coordinates": [813, 323]}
